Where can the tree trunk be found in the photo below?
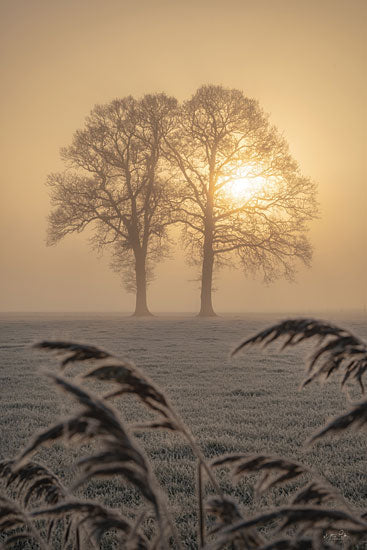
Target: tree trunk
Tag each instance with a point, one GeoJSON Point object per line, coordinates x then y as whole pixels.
{"type": "Point", "coordinates": [141, 307]}
{"type": "Point", "coordinates": [206, 308]}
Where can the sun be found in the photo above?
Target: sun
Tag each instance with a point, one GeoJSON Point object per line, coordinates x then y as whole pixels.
{"type": "Point", "coordinates": [244, 184]}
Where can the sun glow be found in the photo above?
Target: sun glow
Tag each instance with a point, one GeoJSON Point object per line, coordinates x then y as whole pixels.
{"type": "Point", "coordinates": [244, 185]}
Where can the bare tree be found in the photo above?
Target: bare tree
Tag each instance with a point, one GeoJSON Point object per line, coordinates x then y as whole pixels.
{"type": "Point", "coordinates": [116, 181]}
{"type": "Point", "coordinates": [241, 191]}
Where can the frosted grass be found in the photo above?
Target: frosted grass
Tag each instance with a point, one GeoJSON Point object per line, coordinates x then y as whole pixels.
{"type": "Point", "coordinates": [248, 404]}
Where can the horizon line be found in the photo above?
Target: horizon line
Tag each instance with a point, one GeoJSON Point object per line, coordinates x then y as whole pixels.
{"type": "Point", "coordinates": [187, 312]}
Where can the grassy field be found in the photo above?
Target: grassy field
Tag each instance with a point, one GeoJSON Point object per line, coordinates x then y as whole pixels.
{"type": "Point", "coordinates": [250, 404]}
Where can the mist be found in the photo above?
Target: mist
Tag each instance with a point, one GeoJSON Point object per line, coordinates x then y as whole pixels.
{"type": "Point", "coordinates": [303, 62]}
{"type": "Point", "coordinates": [183, 274]}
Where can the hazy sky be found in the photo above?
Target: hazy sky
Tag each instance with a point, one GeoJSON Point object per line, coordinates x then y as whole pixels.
{"type": "Point", "coordinates": [305, 61]}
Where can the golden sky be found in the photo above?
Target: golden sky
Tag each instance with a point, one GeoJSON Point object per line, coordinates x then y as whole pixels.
{"type": "Point", "coordinates": [305, 61]}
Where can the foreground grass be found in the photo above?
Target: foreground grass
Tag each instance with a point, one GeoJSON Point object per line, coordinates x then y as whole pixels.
{"type": "Point", "coordinates": [251, 404]}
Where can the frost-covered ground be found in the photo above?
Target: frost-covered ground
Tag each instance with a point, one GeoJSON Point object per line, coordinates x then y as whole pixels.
{"type": "Point", "coordinates": [249, 404]}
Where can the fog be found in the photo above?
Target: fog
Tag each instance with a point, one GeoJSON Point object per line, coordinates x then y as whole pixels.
{"type": "Point", "coordinates": [303, 61]}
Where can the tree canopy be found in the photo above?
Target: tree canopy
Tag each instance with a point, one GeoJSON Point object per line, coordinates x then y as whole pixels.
{"type": "Point", "coordinates": [214, 164]}
{"type": "Point", "coordinates": [241, 192]}
{"type": "Point", "coordinates": [116, 181]}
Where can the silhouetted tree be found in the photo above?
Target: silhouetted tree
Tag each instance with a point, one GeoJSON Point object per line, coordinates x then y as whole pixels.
{"type": "Point", "coordinates": [116, 182]}
{"type": "Point", "coordinates": [220, 137]}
